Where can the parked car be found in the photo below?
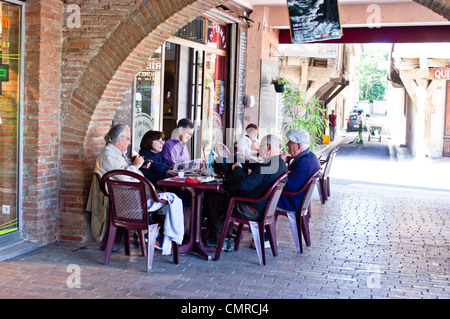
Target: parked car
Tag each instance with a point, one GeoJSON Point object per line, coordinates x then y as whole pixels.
{"type": "Point", "coordinates": [352, 122]}
{"type": "Point", "coordinates": [355, 110]}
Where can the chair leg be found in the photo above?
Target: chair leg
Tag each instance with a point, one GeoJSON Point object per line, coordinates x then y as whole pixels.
{"type": "Point", "coordinates": [110, 243]}
{"type": "Point", "coordinates": [221, 241]}
{"type": "Point", "coordinates": [319, 189]}
{"type": "Point", "coordinates": [296, 231]}
{"type": "Point", "coordinates": [328, 187]}
{"type": "Point", "coordinates": [305, 229]}
{"type": "Point", "coordinates": [323, 189]}
{"type": "Point", "coordinates": [272, 233]}
{"type": "Point", "coordinates": [309, 210]}
{"type": "Point", "coordinates": [142, 241]}
{"type": "Point", "coordinates": [258, 238]}
{"type": "Point", "coordinates": [175, 252]}
{"type": "Point", "coordinates": [104, 241]}
{"type": "Point", "coordinates": [126, 241]}
{"type": "Point", "coordinates": [152, 232]}
{"type": "Point", "coordinates": [238, 237]}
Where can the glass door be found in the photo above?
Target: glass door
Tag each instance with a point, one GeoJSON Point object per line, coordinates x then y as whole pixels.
{"type": "Point", "coordinates": [196, 100]}
{"type": "Point", "coordinates": [214, 103]}
{"type": "Point", "coordinates": [10, 111]}
{"type": "Point", "coordinates": [147, 99]}
{"type": "Point", "coordinates": [140, 107]}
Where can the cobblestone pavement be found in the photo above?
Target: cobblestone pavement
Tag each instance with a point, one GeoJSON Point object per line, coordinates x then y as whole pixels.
{"type": "Point", "coordinates": [369, 240]}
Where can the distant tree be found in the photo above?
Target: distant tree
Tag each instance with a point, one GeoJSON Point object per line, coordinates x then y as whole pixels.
{"type": "Point", "coordinates": [373, 74]}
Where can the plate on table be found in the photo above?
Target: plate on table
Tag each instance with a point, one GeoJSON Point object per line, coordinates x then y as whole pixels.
{"type": "Point", "coordinates": [204, 179]}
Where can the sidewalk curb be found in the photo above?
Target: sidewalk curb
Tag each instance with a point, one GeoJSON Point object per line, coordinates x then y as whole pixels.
{"type": "Point", "coordinates": [323, 148]}
{"type": "Point", "coordinates": [393, 151]}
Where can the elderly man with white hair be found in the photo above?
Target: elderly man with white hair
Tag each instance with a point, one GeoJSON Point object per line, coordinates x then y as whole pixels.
{"type": "Point", "coordinates": [304, 164]}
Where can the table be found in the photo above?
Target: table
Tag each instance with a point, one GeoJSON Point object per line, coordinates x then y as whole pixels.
{"type": "Point", "coordinates": [195, 237]}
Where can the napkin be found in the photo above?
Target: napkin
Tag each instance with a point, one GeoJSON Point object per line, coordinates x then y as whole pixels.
{"type": "Point", "coordinates": [190, 180]}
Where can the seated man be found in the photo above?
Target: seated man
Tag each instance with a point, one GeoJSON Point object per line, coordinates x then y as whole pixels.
{"type": "Point", "coordinates": [113, 156]}
{"type": "Point", "coordinates": [304, 164]}
{"type": "Point", "coordinates": [253, 185]}
{"type": "Point", "coordinates": [175, 150]}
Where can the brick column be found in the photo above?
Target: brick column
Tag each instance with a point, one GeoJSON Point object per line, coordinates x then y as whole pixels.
{"type": "Point", "coordinates": [42, 76]}
{"type": "Point", "coordinates": [92, 94]}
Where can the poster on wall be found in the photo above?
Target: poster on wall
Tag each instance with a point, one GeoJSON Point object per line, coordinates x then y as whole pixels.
{"type": "Point", "coordinates": [314, 20]}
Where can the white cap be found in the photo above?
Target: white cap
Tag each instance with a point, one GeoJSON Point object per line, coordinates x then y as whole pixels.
{"type": "Point", "coordinates": [298, 136]}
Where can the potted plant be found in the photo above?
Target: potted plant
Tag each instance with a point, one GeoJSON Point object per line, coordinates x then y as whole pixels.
{"type": "Point", "coordinates": [306, 114]}
{"type": "Point", "coordinates": [280, 83]}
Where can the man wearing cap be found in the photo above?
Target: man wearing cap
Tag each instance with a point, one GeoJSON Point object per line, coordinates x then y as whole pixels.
{"type": "Point", "coordinates": [304, 164]}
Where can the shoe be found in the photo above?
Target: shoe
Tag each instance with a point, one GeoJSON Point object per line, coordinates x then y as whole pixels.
{"type": "Point", "coordinates": [266, 244]}
{"type": "Point", "coordinates": [229, 244]}
{"type": "Point", "coordinates": [210, 242]}
{"type": "Point", "coordinates": [136, 239]}
{"type": "Point", "coordinates": [159, 242]}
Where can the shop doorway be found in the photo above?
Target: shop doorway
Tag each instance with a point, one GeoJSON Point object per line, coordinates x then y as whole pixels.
{"type": "Point", "coordinates": [11, 67]}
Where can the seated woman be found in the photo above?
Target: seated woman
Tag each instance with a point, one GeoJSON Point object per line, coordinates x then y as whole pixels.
{"type": "Point", "coordinates": [151, 146]}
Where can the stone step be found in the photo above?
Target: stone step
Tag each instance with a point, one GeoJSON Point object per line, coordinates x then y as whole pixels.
{"type": "Point", "coordinates": [15, 249]}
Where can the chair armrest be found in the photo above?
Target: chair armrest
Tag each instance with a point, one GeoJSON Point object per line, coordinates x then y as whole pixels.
{"type": "Point", "coordinates": [246, 199]}
{"type": "Point", "coordinates": [304, 186]}
{"type": "Point", "coordinates": [301, 190]}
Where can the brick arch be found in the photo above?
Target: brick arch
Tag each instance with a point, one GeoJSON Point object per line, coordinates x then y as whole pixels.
{"type": "Point", "coordinates": [86, 115]}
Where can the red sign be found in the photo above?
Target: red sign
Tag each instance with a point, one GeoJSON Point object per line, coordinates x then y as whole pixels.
{"type": "Point", "coordinates": [441, 74]}
{"type": "Point", "coordinates": [217, 34]}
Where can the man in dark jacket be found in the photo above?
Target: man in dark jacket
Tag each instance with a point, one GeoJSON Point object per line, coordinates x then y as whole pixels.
{"type": "Point", "coordinates": [304, 164]}
{"type": "Point", "coordinates": [252, 185]}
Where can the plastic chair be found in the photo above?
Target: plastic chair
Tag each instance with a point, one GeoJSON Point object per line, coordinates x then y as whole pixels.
{"type": "Point", "coordinates": [324, 181]}
{"type": "Point", "coordinates": [221, 150]}
{"type": "Point", "coordinates": [299, 221]}
{"type": "Point", "coordinates": [129, 211]}
{"type": "Point", "coordinates": [257, 228]}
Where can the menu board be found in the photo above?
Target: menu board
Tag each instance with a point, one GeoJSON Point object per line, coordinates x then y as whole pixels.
{"type": "Point", "coordinates": [314, 20]}
{"type": "Point", "coordinates": [268, 99]}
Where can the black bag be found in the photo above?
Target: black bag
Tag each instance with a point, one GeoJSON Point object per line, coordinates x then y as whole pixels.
{"type": "Point", "coordinates": [222, 166]}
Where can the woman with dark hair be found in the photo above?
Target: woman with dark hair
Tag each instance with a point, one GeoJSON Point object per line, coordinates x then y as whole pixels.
{"type": "Point", "coordinates": [151, 146]}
